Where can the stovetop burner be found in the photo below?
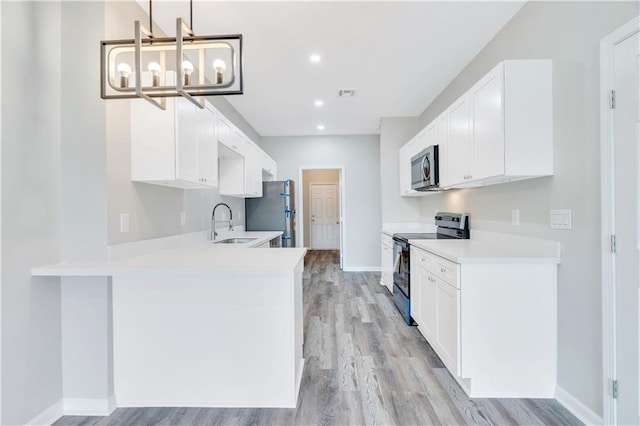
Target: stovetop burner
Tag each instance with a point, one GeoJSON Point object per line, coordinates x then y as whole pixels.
{"type": "Point", "coordinates": [423, 236]}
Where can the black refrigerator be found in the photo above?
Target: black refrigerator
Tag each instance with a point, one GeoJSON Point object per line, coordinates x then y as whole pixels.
{"type": "Point", "coordinates": [274, 211]}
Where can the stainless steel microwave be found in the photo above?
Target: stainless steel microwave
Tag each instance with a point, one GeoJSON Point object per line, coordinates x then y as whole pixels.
{"type": "Point", "coordinates": [424, 169]}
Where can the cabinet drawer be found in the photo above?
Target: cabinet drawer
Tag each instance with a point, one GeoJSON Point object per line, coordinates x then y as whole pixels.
{"type": "Point", "coordinates": [446, 270]}
{"type": "Point", "coordinates": [425, 260]}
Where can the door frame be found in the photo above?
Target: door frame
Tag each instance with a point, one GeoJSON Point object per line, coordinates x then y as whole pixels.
{"type": "Point", "coordinates": [343, 205]}
{"type": "Point", "coordinates": [608, 229]}
{"type": "Point", "coordinates": [337, 185]}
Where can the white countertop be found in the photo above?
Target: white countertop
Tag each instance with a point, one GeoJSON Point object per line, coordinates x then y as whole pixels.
{"type": "Point", "coordinates": [201, 257]}
{"type": "Point", "coordinates": [503, 249]}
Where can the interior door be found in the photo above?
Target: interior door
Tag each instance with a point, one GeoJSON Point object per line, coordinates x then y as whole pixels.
{"type": "Point", "coordinates": [627, 268]}
{"type": "Point", "coordinates": [325, 219]}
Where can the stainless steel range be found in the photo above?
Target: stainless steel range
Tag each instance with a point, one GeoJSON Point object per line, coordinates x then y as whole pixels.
{"type": "Point", "coordinates": [451, 226]}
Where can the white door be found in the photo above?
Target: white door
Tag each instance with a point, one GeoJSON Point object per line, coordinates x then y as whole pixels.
{"type": "Point", "coordinates": [627, 268]}
{"type": "Point", "coordinates": [325, 219]}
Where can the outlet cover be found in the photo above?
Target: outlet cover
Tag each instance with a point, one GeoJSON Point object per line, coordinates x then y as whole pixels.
{"type": "Point", "coordinates": [515, 217]}
{"type": "Point", "coordinates": [183, 219]}
{"type": "Point", "coordinates": [124, 223]}
{"type": "Point", "coordinates": [561, 219]}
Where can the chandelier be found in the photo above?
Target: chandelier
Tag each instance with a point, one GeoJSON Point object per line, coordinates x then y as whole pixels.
{"type": "Point", "coordinates": [155, 68]}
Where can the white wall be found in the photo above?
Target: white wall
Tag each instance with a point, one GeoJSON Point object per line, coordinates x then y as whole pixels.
{"type": "Point", "coordinates": [361, 157]}
{"type": "Point", "coordinates": [568, 33]}
{"type": "Point", "coordinates": [31, 138]}
{"type": "Point", "coordinates": [395, 132]}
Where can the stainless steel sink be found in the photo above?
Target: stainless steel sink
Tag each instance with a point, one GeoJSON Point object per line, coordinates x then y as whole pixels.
{"type": "Point", "coordinates": [235, 241]}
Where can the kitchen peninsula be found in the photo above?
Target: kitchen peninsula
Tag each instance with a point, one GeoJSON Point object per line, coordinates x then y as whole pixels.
{"type": "Point", "coordinates": [204, 325]}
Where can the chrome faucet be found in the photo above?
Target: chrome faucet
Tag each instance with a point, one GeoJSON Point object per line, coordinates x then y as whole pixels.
{"type": "Point", "coordinates": [214, 234]}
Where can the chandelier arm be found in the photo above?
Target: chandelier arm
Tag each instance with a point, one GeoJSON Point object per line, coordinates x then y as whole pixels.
{"type": "Point", "coordinates": [151, 18]}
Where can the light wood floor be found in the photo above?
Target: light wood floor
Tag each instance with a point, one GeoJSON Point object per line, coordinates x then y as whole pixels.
{"type": "Point", "coordinates": [364, 366]}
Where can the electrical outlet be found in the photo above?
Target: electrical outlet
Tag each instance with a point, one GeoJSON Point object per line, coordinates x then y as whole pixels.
{"type": "Point", "coordinates": [124, 223]}
{"type": "Point", "coordinates": [561, 219]}
{"type": "Point", "coordinates": [515, 217]}
{"type": "Point", "coordinates": [183, 219]}
{"type": "Point", "coordinates": [238, 215]}
{"type": "Point", "coordinates": [224, 216]}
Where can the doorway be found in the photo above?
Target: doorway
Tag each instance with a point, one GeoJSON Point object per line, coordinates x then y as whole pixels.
{"type": "Point", "coordinates": [321, 208]}
{"type": "Point", "coordinates": [620, 146]}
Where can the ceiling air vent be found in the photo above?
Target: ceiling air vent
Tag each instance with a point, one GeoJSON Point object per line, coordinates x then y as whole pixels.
{"type": "Point", "coordinates": [347, 93]}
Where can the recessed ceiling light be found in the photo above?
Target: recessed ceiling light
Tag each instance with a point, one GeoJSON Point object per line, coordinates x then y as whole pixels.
{"type": "Point", "coordinates": [314, 58]}
{"type": "Point", "coordinates": [318, 103]}
{"type": "Point", "coordinates": [321, 127]}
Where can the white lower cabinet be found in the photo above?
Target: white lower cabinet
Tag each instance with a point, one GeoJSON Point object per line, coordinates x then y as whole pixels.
{"type": "Point", "coordinates": [493, 325]}
{"type": "Point", "coordinates": [386, 262]}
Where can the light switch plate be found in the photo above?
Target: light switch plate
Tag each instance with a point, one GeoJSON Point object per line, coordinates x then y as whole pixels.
{"type": "Point", "coordinates": [561, 219]}
{"type": "Point", "coordinates": [515, 217]}
{"type": "Point", "coordinates": [124, 223]}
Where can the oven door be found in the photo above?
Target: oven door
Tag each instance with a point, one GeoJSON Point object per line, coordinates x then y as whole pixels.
{"type": "Point", "coordinates": [401, 266]}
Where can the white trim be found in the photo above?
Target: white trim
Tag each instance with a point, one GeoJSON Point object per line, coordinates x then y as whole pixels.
{"type": "Point", "coordinates": [48, 416]}
{"type": "Point", "coordinates": [89, 407]}
{"type": "Point", "coordinates": [362, 269]}
{"type": "Point", "coordinates": [577, 408]}
{"type": "Point", "coordinates": [607, 204]}
{"type": "Point", "coordinates": [343, 205]}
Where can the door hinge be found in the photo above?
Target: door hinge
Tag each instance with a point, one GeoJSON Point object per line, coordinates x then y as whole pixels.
{"type": "Point", "coordinates": [612, 99]}
{"type": "Point", "coordinates": [614, 389]}
{"type": "Point", "coordinates": [613, 244]}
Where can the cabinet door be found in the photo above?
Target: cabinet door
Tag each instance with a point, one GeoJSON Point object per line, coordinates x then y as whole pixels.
{"type": "Point", "coordinates": [447, 328]}
{"type": "Point", "coordinates": [488, 126]}
{"type": "Point", "coordinates": [443, 149]}
{"type": "Point", "coordinates": [186, 141]}
{"type": "Point", "coordinates": [427, 304]}
{"type": "Point", "coordinates": [459, 152]}
{"type": "Point", "coordinates": [431, 135]}
{"type": "Point", "coordinates": [223, 131]}
{"type": "Point", "coordinates": [153, 144]}
{"type": "Point", "coordinates": [207, 148]}
{"type": "Point", "coordinates": [387, 267]}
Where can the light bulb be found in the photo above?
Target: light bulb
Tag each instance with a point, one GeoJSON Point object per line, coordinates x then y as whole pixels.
{"type": "Point", "coordinates": [155, 69]}
{"type": "Point", "coordinates": [124, 70]}
{"type": "Point", "coordinates": [187, 67]}
{"type": "Point", "coordinates": [219, 66]}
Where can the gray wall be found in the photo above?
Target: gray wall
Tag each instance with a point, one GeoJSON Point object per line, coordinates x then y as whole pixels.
{"type": "Point", "coordinates": [360, 156]}
{"type": "Point", "coordinates": [395, 132]}
{"type": "Point", "coordinates": [314, 176]}
{"type": "Point", "coordinates": [31, 138]}
{"type": "Point", "coordinates": [154, 210]}
{"type": "Point", "coordinates": [569, 33]}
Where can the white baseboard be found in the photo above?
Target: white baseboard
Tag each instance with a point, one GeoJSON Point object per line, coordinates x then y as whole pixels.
{"type": "Point", "coordinates": [361, 269]}
{"type": "Point", "coordinates": [577, 408]}
{"type": "Point", "coordinates": [89, 407]}
{"type": "Point", "coordinates": [48, 416]}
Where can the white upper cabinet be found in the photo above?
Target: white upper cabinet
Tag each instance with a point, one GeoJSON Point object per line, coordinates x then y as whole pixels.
{"type": "Point", "coordinates": [500, 130]}
{"type": "Point", "coordinates": [459, 147]}
{"type": "Point", "coordinates": [510, 126]}
{"type": "Point", "coordinates": [173, 147]}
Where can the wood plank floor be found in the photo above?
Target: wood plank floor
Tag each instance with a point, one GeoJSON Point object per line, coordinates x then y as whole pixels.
{"type": "Point", "coordinates": [364, 366]}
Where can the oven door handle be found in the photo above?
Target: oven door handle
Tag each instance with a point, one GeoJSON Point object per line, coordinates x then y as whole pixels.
{"type": "Point", "coordinates": [401, 244]}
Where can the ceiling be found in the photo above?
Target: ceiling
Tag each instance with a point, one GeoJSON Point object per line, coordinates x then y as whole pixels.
{"type": "Point", "coordinates": [398, 56]}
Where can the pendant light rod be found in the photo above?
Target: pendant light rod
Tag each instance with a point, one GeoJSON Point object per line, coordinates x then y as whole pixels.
{"type": "Point", "coordinates": [151, 18]}
{"type": "Point", "coordinates": [191, 14]}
